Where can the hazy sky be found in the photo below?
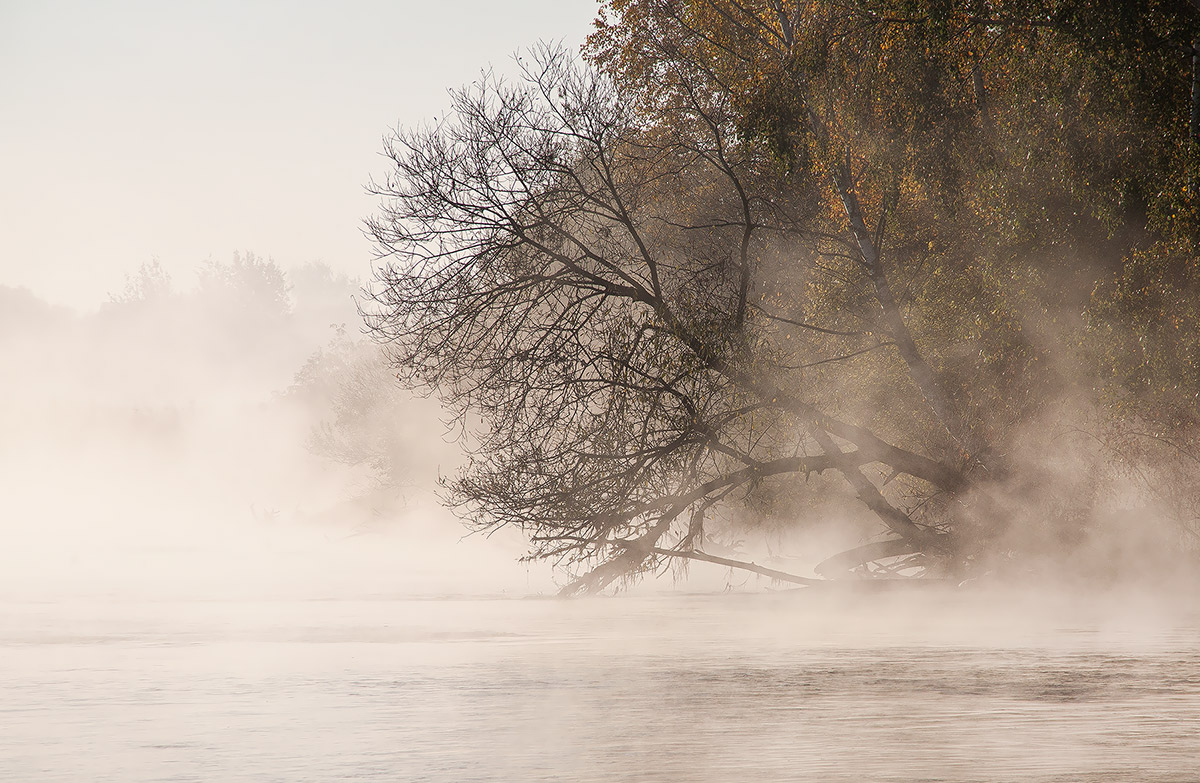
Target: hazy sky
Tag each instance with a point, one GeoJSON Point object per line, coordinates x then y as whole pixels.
{"type": "Point", "coordinates": [183, 131]}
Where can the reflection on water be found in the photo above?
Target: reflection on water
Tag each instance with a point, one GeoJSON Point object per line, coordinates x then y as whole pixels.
{"type": "Point", "coordinates": [704, 688]}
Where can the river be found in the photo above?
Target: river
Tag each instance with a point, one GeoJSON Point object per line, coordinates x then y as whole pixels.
{"type": "Point", "coordinates": [689, 688]}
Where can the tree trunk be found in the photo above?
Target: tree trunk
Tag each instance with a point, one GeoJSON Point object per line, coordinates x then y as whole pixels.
{"type": "Point", "coordinates": [919, 370]}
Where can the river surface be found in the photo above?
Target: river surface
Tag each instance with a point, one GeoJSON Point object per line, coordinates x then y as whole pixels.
{"type": "Point", "coordinates": [784, 687]}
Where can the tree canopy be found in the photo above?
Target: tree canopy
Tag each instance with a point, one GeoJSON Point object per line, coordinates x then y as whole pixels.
{"type": "Point", "coordinates": [745, 256]}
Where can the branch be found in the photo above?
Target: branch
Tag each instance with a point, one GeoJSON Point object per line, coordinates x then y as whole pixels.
{"type": "Point", "coordinates": [919, 370]}
{"type": "Point", "coordinates": [781, 576]}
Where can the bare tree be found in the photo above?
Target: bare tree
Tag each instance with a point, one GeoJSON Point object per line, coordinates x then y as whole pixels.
{"type": "Point", "coordinates": [593, 292]}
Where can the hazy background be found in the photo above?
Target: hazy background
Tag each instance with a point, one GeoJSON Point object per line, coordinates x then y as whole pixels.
{"type": "Point", "coordinates": [175, 431]}
{"type": "Point", "coordinates": [183, 131]}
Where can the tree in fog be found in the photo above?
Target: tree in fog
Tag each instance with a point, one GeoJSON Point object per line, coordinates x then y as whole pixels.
{"type": "Point", "coordinates": [353, 395]}
{"type": "Point", "coordinates": [587, 288]}
{"type": "Point", "coordinates": [753, 251]}
{"type": "Point", "coordinates": [246, 284]}
{"type": "Point", "coordinates": [151, 283]}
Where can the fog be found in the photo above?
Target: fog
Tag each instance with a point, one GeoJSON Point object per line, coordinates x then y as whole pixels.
{"type": "Point", "coordinates": [233, 434]}
{"type": "Point", "coordinates": [166, 444]}
{"type": "Point", "coordinates": [226, 555]}
{"type": "Point", "coordinates": [225, 560]}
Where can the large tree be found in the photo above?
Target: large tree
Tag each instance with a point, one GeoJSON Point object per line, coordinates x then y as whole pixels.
{"type": "Point", "coordinates": [752, 242]}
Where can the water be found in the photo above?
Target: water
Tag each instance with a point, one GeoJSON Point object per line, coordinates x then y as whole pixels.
{"type": "Point", "coordinates": [667, 688]}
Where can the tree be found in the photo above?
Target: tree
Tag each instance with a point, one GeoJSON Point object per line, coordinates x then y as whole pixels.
{"type": "Point", "coordinates": [348, 388]}
{"type": "Point", "coordinates": [1015, 157]}
{"type": "Point", "coordinates": [247, 284]}
{"type": "Point", "coordinates": [150, 284]}
{"type": "Point", "coordinates": [758, 242]}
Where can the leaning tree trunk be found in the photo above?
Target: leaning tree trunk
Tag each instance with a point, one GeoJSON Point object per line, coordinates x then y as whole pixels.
{"type": "Point", "coordinates": [919, 370]}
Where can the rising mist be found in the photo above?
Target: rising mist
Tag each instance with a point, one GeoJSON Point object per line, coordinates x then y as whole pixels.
{"type": "Point", "coordinates": [231, 435]}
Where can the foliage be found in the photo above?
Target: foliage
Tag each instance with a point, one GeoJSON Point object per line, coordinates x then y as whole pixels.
{"type": "Point", "coordinates": [151, 283]}
{"type": "Point", "coordinates": [349, 389]}
{"type": "Point", "coordinates": [247, 284]}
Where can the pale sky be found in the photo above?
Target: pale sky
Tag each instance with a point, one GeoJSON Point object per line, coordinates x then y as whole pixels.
{"type": "Point", "coordinates": [183, 131]}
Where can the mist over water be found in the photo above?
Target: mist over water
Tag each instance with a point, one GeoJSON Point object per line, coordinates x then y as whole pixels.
{"type": "Point", "coordinates": [165, 445]}
{"type": "Point", "coordinates": [224, 563]}
{"type": "Point", "coordinates": [223, 557]}
{"type": "Point", "coordinates": [668, 688]}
